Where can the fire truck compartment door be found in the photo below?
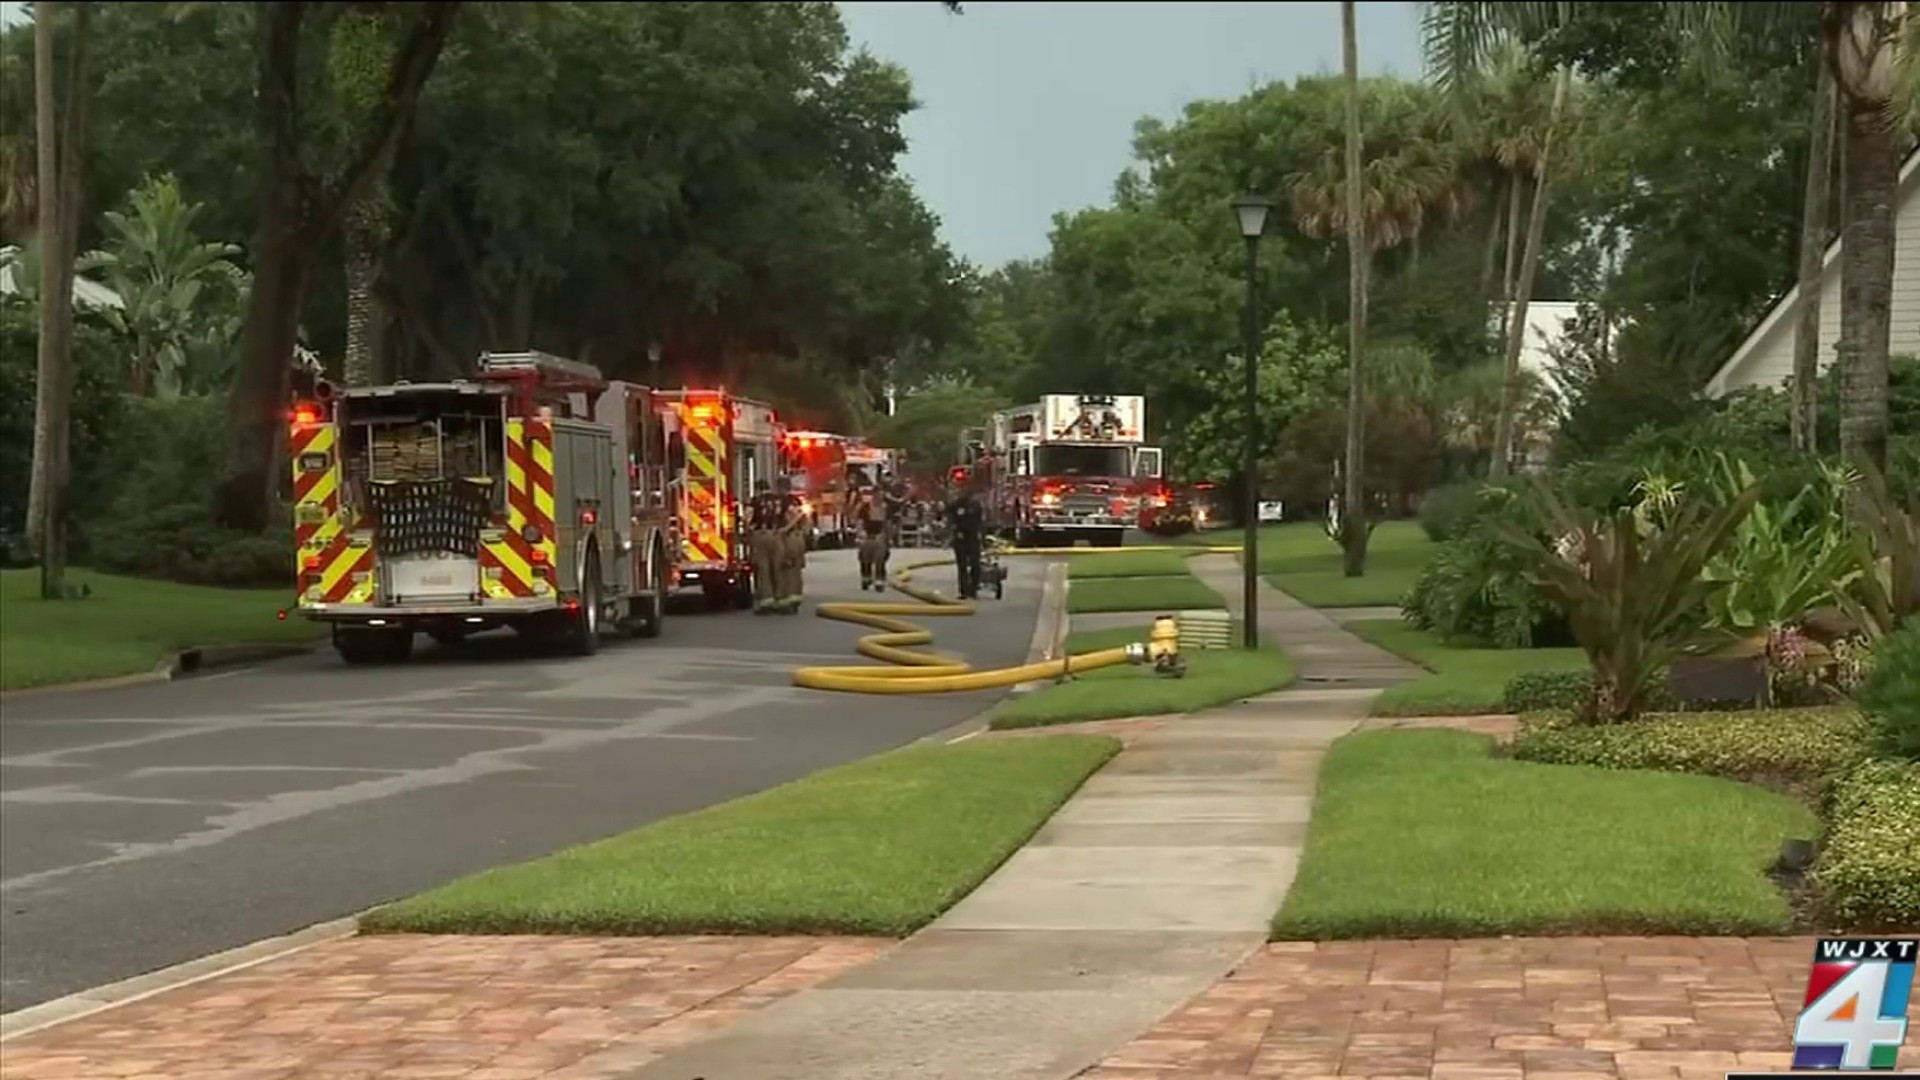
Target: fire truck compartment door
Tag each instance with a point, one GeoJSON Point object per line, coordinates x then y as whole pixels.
{"type": "Point", "coordinates": [432, 577]}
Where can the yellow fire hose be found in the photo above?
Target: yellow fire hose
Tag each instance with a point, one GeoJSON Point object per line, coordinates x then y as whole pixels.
{"type": "Point", "coordinates": [919, 672]}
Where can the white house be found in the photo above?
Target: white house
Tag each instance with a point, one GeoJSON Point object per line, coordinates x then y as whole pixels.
{"type": "Point", "coordinates": [1765, 358]}
{"type": "Point", "coordinates": [88, 295]}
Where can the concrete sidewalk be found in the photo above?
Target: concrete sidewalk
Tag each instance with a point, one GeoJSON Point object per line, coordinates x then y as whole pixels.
{"type": "Point", "coordinates": [1323, 652]}
{"type": "Point", "coordinates": [1150, 885]}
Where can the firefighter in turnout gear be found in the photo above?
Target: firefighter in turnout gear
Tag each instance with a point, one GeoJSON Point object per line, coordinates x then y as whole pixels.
{"type": "Point", "coordinates": [966, 519]}
{"type": "Point", "coordinates": [788, 585]}
{"type": "Point", "coordinates": [767, 518]}
{"type": "Point", "coordinates": [874, 518]}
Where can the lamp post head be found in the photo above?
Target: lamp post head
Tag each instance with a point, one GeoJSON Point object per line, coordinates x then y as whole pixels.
{"type": "Point", "coordinates": [1252, 211]}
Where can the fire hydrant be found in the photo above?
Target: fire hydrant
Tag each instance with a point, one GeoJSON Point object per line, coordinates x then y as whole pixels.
{"type": "Point", "coordinates": [1163, 646]}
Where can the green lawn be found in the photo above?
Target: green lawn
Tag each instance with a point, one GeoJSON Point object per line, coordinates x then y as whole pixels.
{"type": "Point", "coordinates": [1214, 677]}
{"type": "Point", "coordinates": [1299, 560]}
{"type": "Point", "coordinates": [1465, 681]}
{"type": "Point", "coordinates": [127, 625]}
{"type": "Point", "coordinates": [1166, 594]}
{"type": "Point", "coordinates": [880, 846]}
{"type": "Point", "coordinates": [1425, 834]}
{"type": "Point", "coordinates": [1127, 564]}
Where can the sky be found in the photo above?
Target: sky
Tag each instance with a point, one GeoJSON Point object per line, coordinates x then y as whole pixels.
{"type": "Point", "coordinates": [1028, 106]}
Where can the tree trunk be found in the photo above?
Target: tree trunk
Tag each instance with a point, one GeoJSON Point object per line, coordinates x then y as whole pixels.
{"type": "Point", "coordinates": [1490, 256]}
{"type": "Point", "coordinates": [1355, 520]}
{"type": "Point", "coordinates": [60, 152]}
{"type": "Point", "coordinates": [364, 237]}
{"type": "Point", "coordinates": [1866, 282]}
{"type": "Point", "coordinates": [1813, 244]}
{"type": "Point", "coordinates": [1516, 205]}
{"type": "Point", "coordinates": [1515, 379]}
{"type": "Point", "coordinates": [257, 405]}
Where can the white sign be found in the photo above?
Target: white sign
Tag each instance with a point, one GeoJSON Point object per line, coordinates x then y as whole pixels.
{"type": "Point", "coordinates": [1093, 417]}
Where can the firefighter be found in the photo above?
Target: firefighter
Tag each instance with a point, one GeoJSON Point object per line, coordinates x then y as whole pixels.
{"type": "Point", "coordinates": [790, 560]}
{"type": "Point", "coordinates": [966, 520]}
{"type": "Point", "coordinates": [875, 518]}
{"type": "Point", "coordinates": [767, 515]}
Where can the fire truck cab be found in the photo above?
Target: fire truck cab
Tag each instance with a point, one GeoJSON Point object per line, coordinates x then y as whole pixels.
{"type": "Point", "coordinates": [520, 497]}
{"type": "Point", "coordinates": [718, 447]}
{"type": "Point", "coordinates": [1069, 467]}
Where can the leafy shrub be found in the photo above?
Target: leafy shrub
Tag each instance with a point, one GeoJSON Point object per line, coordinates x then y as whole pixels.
{"type": "Point", "coordinates": [1537, 691]}
{"type": "Point", "coordinates": [98, 405]}
{"type": "Point", "coordinates": [1472, 589]}
{"type": "Point", "coordinates": [180, 543]}
{"type": "Point", "coordinates": [1793, 744]}
{"type": "Point", "coordinates": [1446, 511]}
{"type": "Point", "coordinates": [1867, 877]}
{"type": "Point", "coordinates": [1630, 589]}
{"type": "Point", "coordinates": [1891, 693]}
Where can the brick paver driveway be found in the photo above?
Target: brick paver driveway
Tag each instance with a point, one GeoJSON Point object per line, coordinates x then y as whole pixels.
{"type": "Point", "coordinates": [437, 1008]}
{"type": "Point", "coordinates": [1523, 1009]}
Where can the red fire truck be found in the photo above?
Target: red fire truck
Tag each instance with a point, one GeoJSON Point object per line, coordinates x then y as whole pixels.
{"type": "Point", "coordinates": [816, 466]}
{"type": "Point", "coordinates": [718, 446]}
{"type": "Point", "coordinates": [530, 496]}
{"type": "Point", "coordinates": [1066, 468]}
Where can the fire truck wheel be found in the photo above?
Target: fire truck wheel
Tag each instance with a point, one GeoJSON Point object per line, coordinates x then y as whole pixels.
{"type": "Point", "coordinates": [360, 646]}
{"type": "Point", "coordinates": [650, 612]}
{"type": "Point", "coordinates": [583, 637]}
{"type": "Point", "coordinates": [742, 592]}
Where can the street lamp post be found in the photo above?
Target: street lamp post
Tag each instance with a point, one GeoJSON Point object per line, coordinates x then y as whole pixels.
{"type": "Point", "coordinates": [1252, 212]}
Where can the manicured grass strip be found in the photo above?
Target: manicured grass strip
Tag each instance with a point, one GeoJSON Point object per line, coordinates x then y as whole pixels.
{"type": "Point", "coordinates": [1214, 677]}
{"type": "Point", "coordinates": [1122, 563]}
{"type": "Point", "coordinates": [127, 625]}
{"type": "Point", "coordinates": [1149, 594]}
{"type": "Point", "coordinates": [1425, 834]}
{"type": "Point", "coordinates": [1301, 561]}
{"type": "Point", "coordinates": [1465, 681]}
{"type": "Point", "coordinates": [880, 846]}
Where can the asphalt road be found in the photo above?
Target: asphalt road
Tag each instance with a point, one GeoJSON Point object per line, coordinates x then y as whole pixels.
{"type": "Point", "coordinates": [154, 824]}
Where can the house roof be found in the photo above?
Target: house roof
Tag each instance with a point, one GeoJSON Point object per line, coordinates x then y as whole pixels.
{"type": "Point", "coordinates": [1716, 386]}
{"type": "Point", "coordinates": [86, 293]}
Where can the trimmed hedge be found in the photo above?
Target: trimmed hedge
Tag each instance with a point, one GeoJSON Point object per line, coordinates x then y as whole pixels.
{"type": "Point", "coordinates": [1868, 876]}
{"type": "Point", "coordinates": [1801, 745]}
{"type": "Point", "coordinates": [1543, 691]}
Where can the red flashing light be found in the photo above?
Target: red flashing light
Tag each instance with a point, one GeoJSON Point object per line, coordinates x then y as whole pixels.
{"type": "Point", "coordinates": [281, 614]}
{"type": "Point", "coordinates": [957, 474]}
{"type": "Point", "coordinates": [313, 562]}
{"type": "Point", "coordinates": [306, 414]}
{"type": "Point", "coordinates": [573, 604]}
{"type": "Point", "coordinates": [588, 517]}
{"type": "Point", "coordinates": [537, 556]}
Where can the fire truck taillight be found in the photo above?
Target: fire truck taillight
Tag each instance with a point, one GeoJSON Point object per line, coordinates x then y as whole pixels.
{"type": "Point", "coordinates": [312, 562]}
{"type": "Point", "coordinates": [588, 517]}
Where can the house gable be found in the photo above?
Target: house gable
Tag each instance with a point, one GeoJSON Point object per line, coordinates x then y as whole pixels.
{"type": "Point", "coordinates": [1765, 358]}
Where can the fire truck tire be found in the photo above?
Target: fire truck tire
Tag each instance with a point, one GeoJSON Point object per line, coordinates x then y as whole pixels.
{"type": "Point", "coordinates": [358, 646]}
{"type": "Point", "coordinates": [583, 636]}
{"type": "Point", "coordinates": [742, 594]}
{"type": "Point", "coordinates": [649, 612]}
{"type": "Point", "coordinates": [719, 594]}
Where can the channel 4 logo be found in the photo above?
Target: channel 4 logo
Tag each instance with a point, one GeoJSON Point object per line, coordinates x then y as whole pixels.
{"type": "Point", "coordinates": [1854, 1018]}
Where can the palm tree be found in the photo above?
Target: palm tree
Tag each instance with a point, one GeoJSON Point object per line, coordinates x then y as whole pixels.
{"type": "Point", "coordinates": [18, 202]}
{"type": "Point", "coordinates": [360, 53]}
{"type": "Point", "coordinates": [1354, 526]}
{"type": "Point", "coordinates": [1870, 47]}
{"type": "Point", "coordinates": [60, 147]}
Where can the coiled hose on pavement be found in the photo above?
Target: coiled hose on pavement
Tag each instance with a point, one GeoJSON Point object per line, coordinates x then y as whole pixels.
{"type": "Point", "coordinates": [916, 672]}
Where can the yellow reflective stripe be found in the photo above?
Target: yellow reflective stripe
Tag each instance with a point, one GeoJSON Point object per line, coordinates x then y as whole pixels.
{"type": "Point", "coordinates": [516, 476]}
{"type": "Point", "coordinates": [543, 493]}
{"type": "Point", "coordinates": [332, 573]}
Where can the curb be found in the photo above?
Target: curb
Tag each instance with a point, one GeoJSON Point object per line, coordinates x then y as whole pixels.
{"type": "Point", "coordinates": [182, 664]}
{"type": "Point", "coordinates": [61, 1010]}
{"type": "Point", "coordinates": [1049, 632]}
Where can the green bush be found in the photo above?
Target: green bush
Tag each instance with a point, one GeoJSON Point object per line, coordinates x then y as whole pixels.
{"type": "Point", "coordinates": [1891, 693]}
{"type": "Point", "coordinates": [1446, 511]}
{"type": "Point", "coordinates": [98, 406]}
{"type": "Point", "coordinates": [1867, 877]}
{"type": "Point", "coordinates": [1799, 745]}
{"type": "Point", "coordinates": [1472, 589]}
{"type": "Point", "coordinates": [1539, 691]}
{"type": "Point", "coordinates": [180, 543]}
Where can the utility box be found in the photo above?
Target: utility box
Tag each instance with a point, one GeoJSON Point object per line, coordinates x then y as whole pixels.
{"type": "Point", "coordinates": [1205, 629]}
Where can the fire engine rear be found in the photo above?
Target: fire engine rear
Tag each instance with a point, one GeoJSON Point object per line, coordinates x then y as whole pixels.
{"type": "Point", "coordinates": [718, 446]}
{"type": "Point", "coordinates": [530, 496]}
